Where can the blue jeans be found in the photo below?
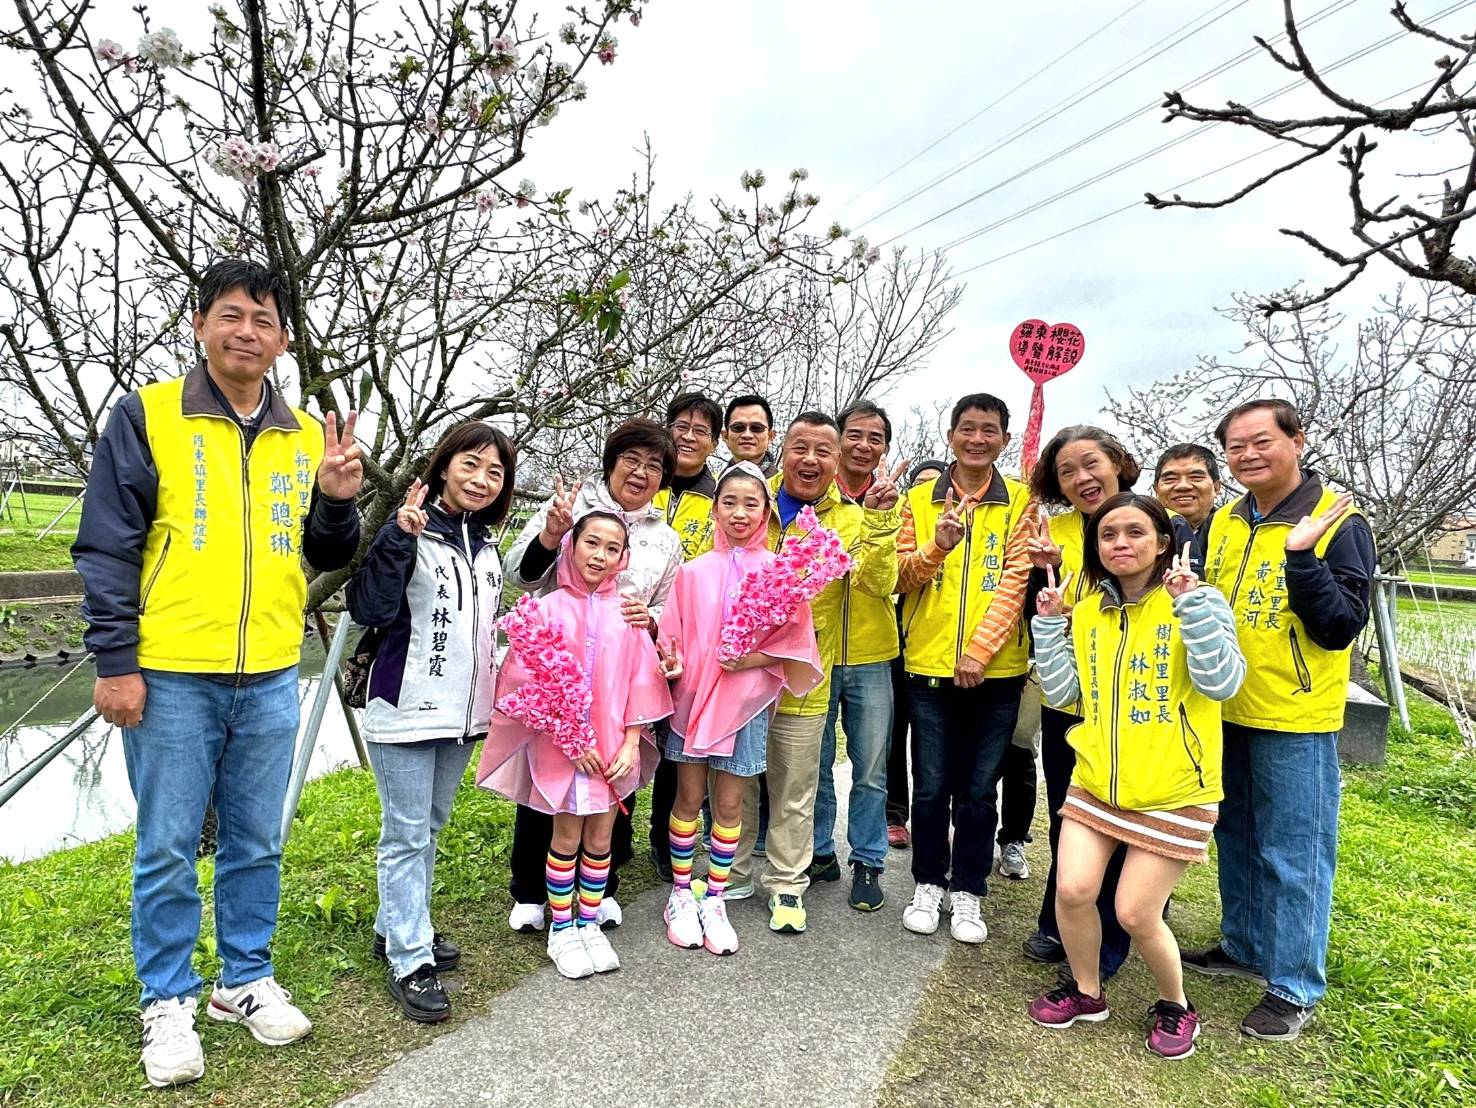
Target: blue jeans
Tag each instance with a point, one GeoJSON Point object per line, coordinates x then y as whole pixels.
{"type": "Point", "coordinates": [202, 742]}
{"type": "Point", "coordinates": [416, 784]}
{"type": "Point", "coordinates": [960, 736]}
{"type": "Point", "coordinates": [860, 699]}
{"type": "Point", "coordinates": [1277, 838]}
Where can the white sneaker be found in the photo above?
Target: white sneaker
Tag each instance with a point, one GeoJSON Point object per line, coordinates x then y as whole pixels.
{"type": "Point", "coordinates": [610, 916]}
{"type": "Point", "coordinates": [967, 926]}
{"type": "Point", "coordinates": [737, 892]}
{"type": "Point", "coordinates": [717, 933]}
{"type": "Point", "coordinates": [1012, 863]}
{"type": "Point", "coordinates": [683, 925]}
{"type": "Point", "coordinates": [569, 956]}
{"type": "Point", "coordinates": [921, 915]}
{"type": "Point", "coordinates": [602, 955]}
{"type": "Point", "coordinates": [171, 1046]}
{"type": "Point", "coordinates": [264, 1007]}
{"type": "Point", "coordinates": [527, 918]}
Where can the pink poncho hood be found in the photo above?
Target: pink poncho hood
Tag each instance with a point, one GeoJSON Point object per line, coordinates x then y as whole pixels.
{"type": "Point", "coordinates": [710, 704]}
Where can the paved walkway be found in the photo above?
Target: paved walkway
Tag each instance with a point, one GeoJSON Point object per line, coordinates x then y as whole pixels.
{"type": "Point", "coordinates": [808, 1019]}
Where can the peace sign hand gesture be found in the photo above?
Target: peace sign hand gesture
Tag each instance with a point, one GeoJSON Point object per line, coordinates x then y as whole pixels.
{"type": "Point", "coordinates": [669, 658]}
{"type": "Point", "coordinates": [1310, 529]}
{"type": "Point", "coordinates": [412, 518]}
{"type": "Point", "coordinates": [1051, 600]}
{"type": "Point", "coordinates": [1042, 548]}
{"type": "Point", "coordinates": [560, 518]}
{"type": "Point", "coordinates": [884, 492]}
{"type": "Point", "coordinates": [342, 471]}
{"type": "Point", "coordinates": [1180, 577]}
{"type": "Point", "coordinates": [950, 529]}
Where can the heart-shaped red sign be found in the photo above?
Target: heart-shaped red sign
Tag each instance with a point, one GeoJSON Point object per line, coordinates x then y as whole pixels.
{"type": "Point", "coordinates": [1046, 350]}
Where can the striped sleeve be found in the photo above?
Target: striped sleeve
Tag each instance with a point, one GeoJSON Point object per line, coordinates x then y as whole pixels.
{"type": "Point", "coordinates": [1002, 617]}
{"type": "Point", "coordinates": [1055, 661]}
{"type": "Point", "coordinates": [1207, 626]}
{"type": "Point", "coordinates": [915, 567]}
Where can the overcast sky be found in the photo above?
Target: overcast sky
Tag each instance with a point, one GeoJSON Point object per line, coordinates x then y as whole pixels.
{"type": "Point", "coordinates": [851, 91]}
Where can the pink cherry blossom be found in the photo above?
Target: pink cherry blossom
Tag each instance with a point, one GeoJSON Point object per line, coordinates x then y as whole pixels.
{"type": "Point", "coordinates": [555, 700]}
{"type": "Point", "coordinates": [111, 52]}
{"type": "Point", "coordinates": [267, 156]}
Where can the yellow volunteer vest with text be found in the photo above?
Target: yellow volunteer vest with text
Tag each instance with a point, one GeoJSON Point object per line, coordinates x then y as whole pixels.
{"type": "Point", "coordinates": [939, 617]}
{"type": "Point", "coordinates": [690, 517]}
{"type": "Point", "coordinates": [1291, 683]}
{"type": "Point", "coordinates": [1148, 740]}
{"type": "Point", "coordinates": [222, 588]}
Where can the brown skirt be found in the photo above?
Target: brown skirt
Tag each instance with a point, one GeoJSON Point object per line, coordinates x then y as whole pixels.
{"type": "Point", "coordinates": [1182, 834]}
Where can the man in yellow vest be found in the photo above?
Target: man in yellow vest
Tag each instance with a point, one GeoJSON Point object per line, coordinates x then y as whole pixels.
{"type": "Point", "coordinates": [963, 570]}
{"type": "Point", "coordinates": [1187, 480]}
{"type": "Point", "coordinates": [205, 496]}
{"type": "Point", "coordinates": [869, 533]}
{"type": "Point", "coordinates": [1295, 560]}
{"type": "Point", "coordinates": [861, 682]}
{"type": "Point", "coordinates": [693, 420]}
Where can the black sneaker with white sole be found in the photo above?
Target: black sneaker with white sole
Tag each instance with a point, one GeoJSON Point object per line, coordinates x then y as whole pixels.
{"type": "Point", "coordinates": [447, 954]}
{"type": "Point", "coordinates": [1275, 1020]}
{"type": "Point", "coordinates": [866, 891]}
{"type": "Point", "coordinates": [825, 867]}
{"type": "Point", "coordinates": [1214, 962]}
{"type": "Point", "coordinates": [1040, 947]}
{"type": "Point", "coordinates": [420, 995]}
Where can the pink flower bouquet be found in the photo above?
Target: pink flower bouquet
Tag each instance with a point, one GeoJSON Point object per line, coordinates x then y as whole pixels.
{"type": "Point", "coordinates": [556, 698]}
{"type": "Point", "coordinates": [769, 596]}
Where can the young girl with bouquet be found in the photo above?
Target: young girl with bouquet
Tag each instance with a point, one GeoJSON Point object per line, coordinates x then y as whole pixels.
{"type": "Point", "coordinates": [1150, 654]}
{"type": "Point", "coordinates": [576, 696]}
{"type": "Point", "coordinates": [736, 665]}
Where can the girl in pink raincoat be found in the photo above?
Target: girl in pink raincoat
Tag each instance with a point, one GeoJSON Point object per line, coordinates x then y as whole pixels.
{"type": "Point", "coordinates": [583, 793]}
{"type": "Point", "coordinates": [720, 719]}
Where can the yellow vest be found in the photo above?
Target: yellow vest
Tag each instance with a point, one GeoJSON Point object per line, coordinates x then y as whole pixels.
{"type": "Point", "coordinates": [868, 626]}
{"type": "Point", "coordinates": [940, 616]}
{"type": "Point", "coordinates": [870, 537]}
{"type": "Point", "coordinates": [1148, 740]}
{"type": "Point", "coordinates": [222, 588]}
{"type": "Point", "coordinates": [1291, 683]}
{"type": "Point", "coordinates": [690, 515]}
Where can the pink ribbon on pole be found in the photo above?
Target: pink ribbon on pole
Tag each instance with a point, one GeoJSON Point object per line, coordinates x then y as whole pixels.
{"type": "Point", "coordinates": [1043, 351]}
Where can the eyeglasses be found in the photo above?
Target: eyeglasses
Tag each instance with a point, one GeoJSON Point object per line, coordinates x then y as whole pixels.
{"type": "Point", "coordinates": [649, 466]}
{"type": "Point", "coordinates": [696, 430]}
{"type": "Point", "coordinates": [747, 428]}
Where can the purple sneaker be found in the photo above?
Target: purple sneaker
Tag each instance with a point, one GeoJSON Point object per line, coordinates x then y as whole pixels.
{"type": "Point", "coordinates": [1063, 1006]}
{"type": "Point", "coordinates": [1174, 1030]}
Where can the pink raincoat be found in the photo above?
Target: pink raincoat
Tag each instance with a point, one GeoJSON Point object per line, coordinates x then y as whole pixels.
{"type": "Point", "coordinates": [711, 705]}
{"type": "Point", "coordinates": [528, 768]}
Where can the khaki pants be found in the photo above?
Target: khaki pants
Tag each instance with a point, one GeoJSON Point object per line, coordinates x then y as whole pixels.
{"type": "Point", "coordinates": [794, 769]}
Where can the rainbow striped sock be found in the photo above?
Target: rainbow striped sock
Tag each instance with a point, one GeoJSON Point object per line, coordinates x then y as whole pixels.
{"type": "Point", "coordinates": [559, 874]}
{"type": "Point", "coordinates": [594, 873]}
{"type": "Point", "coordinates": [682, 834]}
{"type": "Point", "coordinates": [720, 857]}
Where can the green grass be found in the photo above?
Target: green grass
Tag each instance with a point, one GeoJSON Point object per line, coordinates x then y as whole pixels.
{"type": "Point", "coordinates": [1398, 1026]}
{"type": "Point", "coordinates": [25, 552]}
{"type": "Point", "coordinates": [20, 548]}
{"type": "Point", "coordinates": [1452, 577]}
{"type": "Point", "coordinates": [38, 511]}
{"type": "Point", "coordinates": [1438, 638]}
{"type": "Point", "coordinates": [68, 998]}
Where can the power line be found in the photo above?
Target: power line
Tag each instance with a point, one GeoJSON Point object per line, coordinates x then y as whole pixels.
{"type": "Point", "coordinates": [1223, 67]}
{"type": "Point", "coordinates": [993, 103]}
{"type": "Point", "coordinates": [1066, 103]}
{"type": "Point", "coordinates": [1347, 59]}
{"type": "Point", "coordinates": [1139, 203]}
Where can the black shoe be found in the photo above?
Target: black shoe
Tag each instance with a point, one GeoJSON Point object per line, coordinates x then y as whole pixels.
{"type": "Point", "coordinates": [662, 861]}
{"type": "Point", "coordinates": [825, 867]}
{"type": "Point", "coordinates": [1214, 962]}
{"type": "Point", "coordinates": [446, 953]}
{"type": "Point", "coordinates": [1276, 1020]}
{"type": "Point", "coordinates": [866, 890]}
{"type": "Point", "coordinates": [1040, 947]}
{"type": "Point", "coordinates": [420, 995]}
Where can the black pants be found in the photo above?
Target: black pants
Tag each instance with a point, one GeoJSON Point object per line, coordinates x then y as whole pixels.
{"type": "Point", "coordinates": [663, 796]}
{"type": "Point", "coordinates": [899, 785]}
{"type": "Point", "coordinates": [1058, 760]}
{"type": "Point", "coordinates": [1017, 798]}
{"type": "Point", "coordinates": [532, 834]}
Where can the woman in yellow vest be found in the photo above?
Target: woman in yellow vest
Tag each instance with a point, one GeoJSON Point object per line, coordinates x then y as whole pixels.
{"type": "Point", "coordinates": [1149, 656]}
{"type": "Point", "coordinates": [1079, 469]}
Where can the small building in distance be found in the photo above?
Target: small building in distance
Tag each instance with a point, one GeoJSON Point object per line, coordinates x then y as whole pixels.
{"type": "Point", "coordinates": [1457, 544]}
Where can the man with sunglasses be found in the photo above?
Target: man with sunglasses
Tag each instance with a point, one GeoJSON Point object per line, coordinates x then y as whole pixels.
{"type": "Point", "coordinates": [748, 432]}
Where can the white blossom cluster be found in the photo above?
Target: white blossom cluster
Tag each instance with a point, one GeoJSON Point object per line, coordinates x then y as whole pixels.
{"type": "Point", "coordinates": [243, 161]}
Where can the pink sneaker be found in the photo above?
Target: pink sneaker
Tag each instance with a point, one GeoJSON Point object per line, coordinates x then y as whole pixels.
{"type": "Point", "coordinates": [1174, 1030]}
{"type": "Point", "coordinates": [1063, 1006]}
